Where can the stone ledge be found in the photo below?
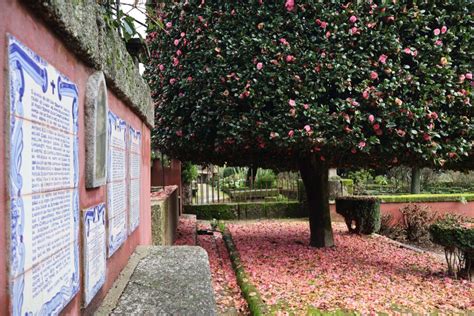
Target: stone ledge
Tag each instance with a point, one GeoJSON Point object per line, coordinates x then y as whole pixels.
{"type": "Point", "coordinates": [81, 27]}
{"type": "Point", "coordinates": [166, 281]}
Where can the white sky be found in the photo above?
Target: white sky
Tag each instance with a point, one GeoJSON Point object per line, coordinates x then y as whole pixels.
{"type": "Point", "coordinates": [138, 15]}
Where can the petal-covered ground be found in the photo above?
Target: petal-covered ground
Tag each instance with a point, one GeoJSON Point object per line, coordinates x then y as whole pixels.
{"type": "Point", "coordinates": [228, 296]}
{"type": "Point", "coordinates": [362, 273]}
{"type": "Point", "coordinates": [227, 292]}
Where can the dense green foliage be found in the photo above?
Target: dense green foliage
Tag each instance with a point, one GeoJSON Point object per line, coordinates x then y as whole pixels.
{"type": "Point", "coordinates": [189, 172]}
{"type": "Point", "coordinates": [361, 214]}
{"type": "Point", "coordinates": [353, 84]}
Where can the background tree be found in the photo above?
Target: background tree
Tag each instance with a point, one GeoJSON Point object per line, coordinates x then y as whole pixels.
{"type": "Point", "coordinates": [312, 85]}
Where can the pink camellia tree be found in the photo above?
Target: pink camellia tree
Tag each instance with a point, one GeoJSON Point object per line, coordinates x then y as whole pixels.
{"type": "Point", "coordinates": [310, 85]}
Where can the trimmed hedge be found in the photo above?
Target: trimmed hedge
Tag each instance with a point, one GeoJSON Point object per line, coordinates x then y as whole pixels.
{"type": "Point", "coordinates": [210, 211]}
{"type": "Point", "coordinates": [251, 210]}
{"type": "Point", "coordinates": [414, 198]}
{"type": "Point", "coordinates": [457, 238]}
{"type": "Point", "coordinates": [453, 236]}
{"type": "Point", "coordinates": [364, 211]}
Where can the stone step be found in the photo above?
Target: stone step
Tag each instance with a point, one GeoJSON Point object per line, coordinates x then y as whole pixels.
{"type": "Point", "coordinates": [166, 280]}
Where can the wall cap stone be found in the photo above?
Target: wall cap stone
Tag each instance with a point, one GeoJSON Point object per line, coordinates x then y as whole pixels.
{"type": "Point", "coordinates": [82, 29]}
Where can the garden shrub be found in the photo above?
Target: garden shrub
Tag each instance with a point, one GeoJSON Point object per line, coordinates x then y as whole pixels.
{"type": "Point", "coordinates": [361, 213]}
{"type": "Point", "coordinates": [456, 235]}
{"type": "Point", "coordinates": [265, 179]}
{"type": "Point", "coordinates": [390, 228]}
{"type": "Point", "coordinates": [416, 220]}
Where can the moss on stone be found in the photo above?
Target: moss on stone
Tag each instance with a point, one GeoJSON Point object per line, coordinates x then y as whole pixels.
{"type": "Point", "coordinates": [80, 25]}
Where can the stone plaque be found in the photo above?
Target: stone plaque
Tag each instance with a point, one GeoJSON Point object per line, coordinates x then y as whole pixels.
{"type": "Point", "coordinates": [43, 184]}
{"type": "Point", "coordinates": [134, 161]}
{"type": "Point", "coordinates": [95, 251]}
{"type": "Point", "coordinates": [116, 183]}
{"type": "Point", "coordinates": [96, 131]}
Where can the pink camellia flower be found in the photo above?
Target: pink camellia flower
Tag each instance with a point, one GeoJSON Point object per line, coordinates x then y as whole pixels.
{"type": "Point", "coordinates": [414, 53]}
{"type": "Point", "coordinates": [436, 32]}
{"type": "Point", "coordinates": [169, 25]}
{"type": "Point", "coordinates": [292, 102]}
{"type": "Point", "coordinates": [426, 137]}
{"type": "Point", "coordinates": [365, 94]}
{"type": "Point", "coordinates": [161, 67]}
{"type": "Point", "coordinates": [407, 51]}
{"type": "Point", "coordinates": [284, 42]}
{"type": "Point", "coordinates": [291, 133]}
{"type": "Point", "coordinates": [401, 132]}
{"type": "Point", "coordinates": [274, 135]}
{"type": "Point", "coordinates": [371, 118]}
{"type": "Point", "coordinates": [354, 30]}
{"type": "Point", "coordinates": [324, 25]}
{"type": "Point", "coordinates": [290, 5]}
{"type": "Point", "coordinates": [434, 115]}
{"type": "Point", "coordinates": [398, 102]}
{"type": "Point", "coordinates": [353, 19]}
{"type": "Point", "coordinates": [176, 42]}
{"type": "Point", "coordinates": [175, 61]}
{"type": "Point", "coordinates": [444, 29]}
{"type": "Point", "coordinates": [259, 66]}
{"type": "Point", "coordinates": [376, 126]}
{"type": "Point", "coordinates": [353, 150]}
{"type": "Point", "coordinates": [362, 144]}
{"type": "Point", "coordinates": [172, 81]}
{"type": "Point", "coordinates": [439, 43]}
{"type": "Point", "coordinates": [307, 128]}
{"type": "Point", "coordinates": [179, 133]}
{"type": "Point", "coordinates": [462, 78]}
{"type": "Point", "coordinates": [290, 58]}
{"type": "Point", "coordinates": [306, 106]}
{"type": "Point", "coordinates": [328, 34]}
{"type": "Point", "coordinates": [373, 75]}
{"type": "Point", "coordinates": [383, 59]}
{"type": "Point", "coordinates": [178, 52]}
{"type": "Point", "coordinates": [469, 76]}
{"type": "Point", "coordinates": [190, 78]}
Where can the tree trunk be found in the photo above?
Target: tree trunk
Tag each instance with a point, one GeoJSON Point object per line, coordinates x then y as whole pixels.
{"type": "Point", "coordinates": [415, 180]}
{"type": "Point", "coordinates": [315, 179]}
{"type": "Point", "coordinates": [251, 174]}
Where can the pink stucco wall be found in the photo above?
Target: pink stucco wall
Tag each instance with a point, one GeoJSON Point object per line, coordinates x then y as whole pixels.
{"type": "Point", "coordinates": [441, 208]}
{"type": "Point", "coordinates": [18, 21]}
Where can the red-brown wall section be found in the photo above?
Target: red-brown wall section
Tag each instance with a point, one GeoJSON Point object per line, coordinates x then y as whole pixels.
{"type": "Point", "coordinates": [171, 176]}
{"type": "Point", "coordinates": [18, 21]}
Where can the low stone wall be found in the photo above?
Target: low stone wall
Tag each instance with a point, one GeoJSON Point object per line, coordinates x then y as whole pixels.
{"type": "Point", "coordinates": [164, 216]}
